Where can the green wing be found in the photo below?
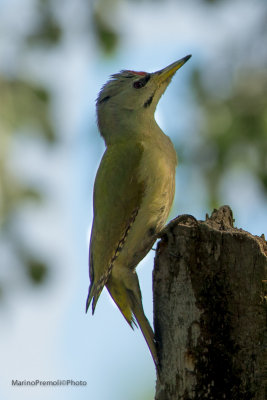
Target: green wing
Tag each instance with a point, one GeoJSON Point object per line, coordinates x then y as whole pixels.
{"type": "Point", "coordinates": [117, 197]}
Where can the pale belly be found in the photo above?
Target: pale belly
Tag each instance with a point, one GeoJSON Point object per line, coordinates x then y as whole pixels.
{"type": "Point", "coordinates": [159, 175]}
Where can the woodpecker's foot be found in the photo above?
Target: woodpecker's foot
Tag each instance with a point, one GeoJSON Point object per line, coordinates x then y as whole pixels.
{"type": "Point", "coordinates": [184, 219]}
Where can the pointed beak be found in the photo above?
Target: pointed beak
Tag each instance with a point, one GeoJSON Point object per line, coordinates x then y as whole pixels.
{"type": "Point", "coordinates": [167, 73]}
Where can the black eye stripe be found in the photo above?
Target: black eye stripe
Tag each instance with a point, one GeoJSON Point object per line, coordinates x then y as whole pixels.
{"type": "Point", "coordinates": [104, 99]}
{"type": "Point", "coordinates": [149, 101]}
{"type": "Point", "coordinates": [141, 82]}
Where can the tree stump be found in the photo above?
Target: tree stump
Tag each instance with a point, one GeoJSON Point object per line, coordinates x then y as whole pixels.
{"type": "Point", "coordinates": [210, 310]}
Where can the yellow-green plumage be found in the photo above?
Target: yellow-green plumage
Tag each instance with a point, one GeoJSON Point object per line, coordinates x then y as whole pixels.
{"type": "Point", "coordinates": [117, 197]}
{"type": "Point", "coordinates": [133, 192]}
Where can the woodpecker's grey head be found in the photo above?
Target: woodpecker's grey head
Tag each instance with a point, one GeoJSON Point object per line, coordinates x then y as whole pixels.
{"type": "Point", "coordinates": [127, 102]}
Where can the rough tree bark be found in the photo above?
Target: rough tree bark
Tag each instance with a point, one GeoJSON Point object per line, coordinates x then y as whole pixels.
{"type": "Point", "coordinates": [210, 310]}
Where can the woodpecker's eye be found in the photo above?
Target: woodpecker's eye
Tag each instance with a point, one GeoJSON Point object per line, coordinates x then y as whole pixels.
{"type": "Point", "coordinates": [142, 82]}
{"type": "Point", "coordinates": [138, 84]}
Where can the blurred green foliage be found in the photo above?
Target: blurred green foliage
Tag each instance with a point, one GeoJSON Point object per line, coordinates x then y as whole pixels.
{"type": "Point", "coordinates": [107, 37]}
{"type": "Point", "coordinates": [103, 21]}
{"type": "Point", "coordinates": [234, 132]}
{"type": "Point", "coordinates": [24, 109]}
{"type": "Point", "coordinates": [36, 270]}
{"type": "Point", "coordinates": [25, 105]}
{"type": "Point", "coordinates": [48, 30]}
